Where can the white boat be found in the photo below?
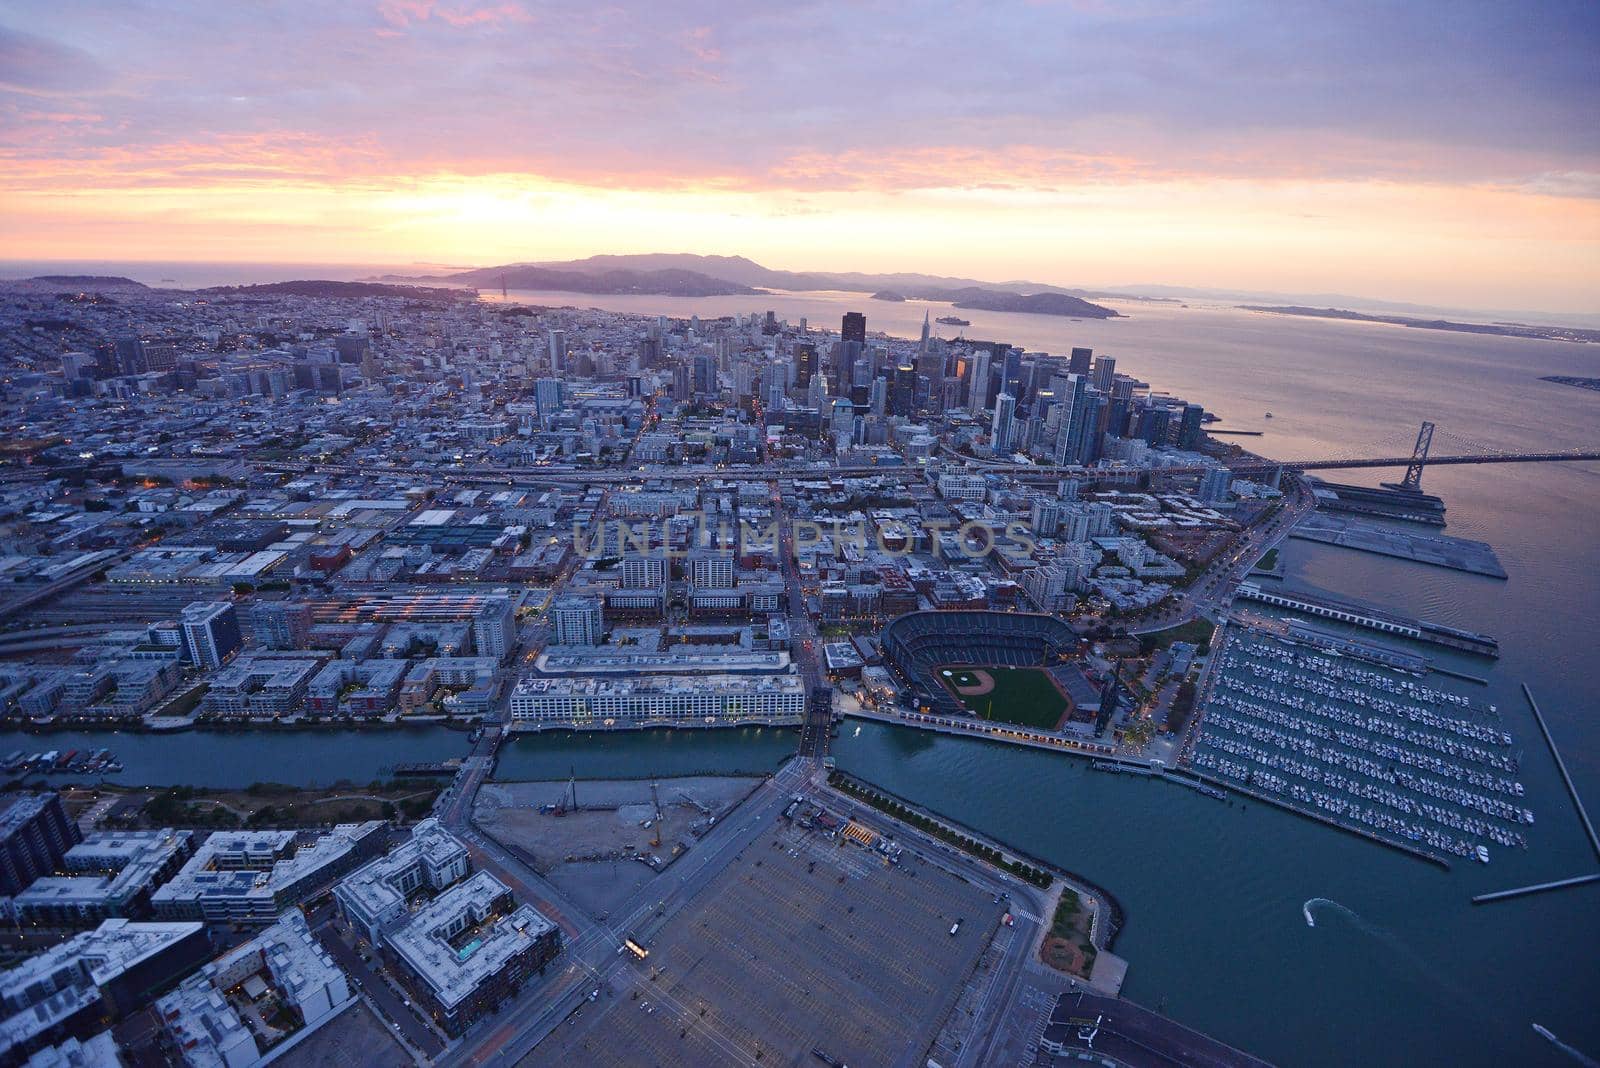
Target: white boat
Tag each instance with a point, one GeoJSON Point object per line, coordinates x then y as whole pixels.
{"type": "Point", "coordinates": [1482, 853]}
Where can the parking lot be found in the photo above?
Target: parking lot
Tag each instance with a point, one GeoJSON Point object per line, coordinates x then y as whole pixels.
{"type": "Point", "coordinates": [354, 1039]}
{"type": "Point", "coordinates": [800, 943]}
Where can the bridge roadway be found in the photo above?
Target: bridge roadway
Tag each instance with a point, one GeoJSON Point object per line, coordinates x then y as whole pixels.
{"type": "Point", "coordinates": [793, 473]}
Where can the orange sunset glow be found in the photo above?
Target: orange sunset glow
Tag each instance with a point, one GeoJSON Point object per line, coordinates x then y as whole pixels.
{"type": "Point", "coordinates": [1066, 143]}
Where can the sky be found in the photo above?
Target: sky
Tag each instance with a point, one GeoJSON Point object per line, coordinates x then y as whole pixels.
{"type": "Point", "coordinates": [1438, 152]}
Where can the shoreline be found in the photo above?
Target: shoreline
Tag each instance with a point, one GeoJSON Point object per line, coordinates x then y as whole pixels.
{"type": "Point", "coordinates": [1116, 919]}
{"type": "Point", "coordinates": [267, 726]}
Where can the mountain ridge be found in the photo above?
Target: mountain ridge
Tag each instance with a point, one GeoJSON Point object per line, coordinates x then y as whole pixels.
{"type": "Point", "coordinates": [695, 275]}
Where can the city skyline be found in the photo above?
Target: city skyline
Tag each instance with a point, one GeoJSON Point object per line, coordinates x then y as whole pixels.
{"type": "Point", "coordinates": [1409, 154]}
{"type": "Point", "coordinates": [827, 533]}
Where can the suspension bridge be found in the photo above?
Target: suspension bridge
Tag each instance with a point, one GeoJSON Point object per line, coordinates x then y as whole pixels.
{"type": "Point", "coordinates": [1465, 450]}
{"type": "Point", "coordinates": [1471, 452]}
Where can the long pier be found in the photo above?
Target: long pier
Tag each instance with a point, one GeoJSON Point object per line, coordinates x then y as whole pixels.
{"type": "Point", "coordinates": [1577, 803]}
{"type": "Point", "coordinates": [1536, 888]}
{"type": "Point", "coordinates": [1372, 618]}
{"type": "Point", "coordinates": [1561, 766]}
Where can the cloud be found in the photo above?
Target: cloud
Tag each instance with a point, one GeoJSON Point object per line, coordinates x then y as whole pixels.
{"type": "Point", "coordinates": [402, 13]}
{"type": "Point", "coordinates": [1563, 184]}
{"type": "Point", "coordinates": [824, 94]}
{"type": "Point", "coordinates": [37, 65]}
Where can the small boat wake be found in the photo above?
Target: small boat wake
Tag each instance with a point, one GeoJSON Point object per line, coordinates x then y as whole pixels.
{"type": "Point", "coordinates": [1472, 1000]}
{"type": "Point", "coordinates": [1309, 911]}
{"type": "Point", "coordinates": [1577, 1055]}
{"type": "Point", "coordinates": [1396, 947]}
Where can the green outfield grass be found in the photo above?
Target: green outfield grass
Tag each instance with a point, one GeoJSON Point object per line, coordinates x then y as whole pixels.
{"type": "Point", "coordinates": [1024, 696]}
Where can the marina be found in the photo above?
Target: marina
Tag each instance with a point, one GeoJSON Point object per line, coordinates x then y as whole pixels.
{"type": "Point", "coordinates": [226, 758]}
{"type": "Point", "coordinates": [1458, 554]}
{"type": "Point", "coordinates": [1361, 746]}
{"type": "Point", "coordinates": [57, 762]}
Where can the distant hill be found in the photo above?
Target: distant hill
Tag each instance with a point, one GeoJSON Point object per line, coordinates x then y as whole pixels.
{"type": "Point", "coordinates": [668, 281]}
{"type": "Point", "coordinates": [324, 288]}
{"type": "Point", "coordinates": [81, 281]}
{"type": "Point", "coordinates": [1034, 303]}
{"type": "Point", "coordinates": [688, 274]}
{"type": "Point", "coordinates": [748, 272]}
{"type": "Point", "coordinates": [963, 292]}
{"type": "Point", "coordinates": [1543, 333]}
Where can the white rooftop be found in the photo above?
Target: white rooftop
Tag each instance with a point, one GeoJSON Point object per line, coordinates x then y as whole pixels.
{"type": "Point", "coordinates": [453, 974]}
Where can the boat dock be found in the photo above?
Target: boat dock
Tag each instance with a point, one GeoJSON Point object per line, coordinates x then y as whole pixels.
{"type": "Point", "coordinates": [446, 767]}
{"type": "Point", "coordinates": [54, 762]}
{"type": "Point", "coordinates": [1124, 769]}
{"type": "Point", "coordinates": [1457, 554]}
{"type": "Point", "coordinates": [1373, 618]}
{"type": "Point", "coordinates": [1196, 785]}
{"type": "Point", "coordinates": [1340, 825]}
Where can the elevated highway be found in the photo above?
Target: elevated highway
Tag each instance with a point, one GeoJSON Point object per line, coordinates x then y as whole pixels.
{"type": "Point", "coordinates": [793, 473]}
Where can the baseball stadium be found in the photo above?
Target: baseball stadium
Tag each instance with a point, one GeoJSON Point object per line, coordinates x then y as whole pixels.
{"type": "Point", "coordinates": [995, 665]}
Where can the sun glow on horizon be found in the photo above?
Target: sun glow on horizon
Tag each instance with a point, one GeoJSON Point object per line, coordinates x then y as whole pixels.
{"type": "Point", "coordinates": [1250, 234]}
{"type": "Point", "coordinates": [1219, 146]}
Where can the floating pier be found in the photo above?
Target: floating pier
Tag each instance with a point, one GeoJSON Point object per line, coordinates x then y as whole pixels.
{"type": "Point", "coordinates": [1196, 786]}
{"type": "Point", "coordinates": [446, 767]}
{"type": "Point", "coordinates": [1124, 769]}
{"type": "Point", "coordinates": [1146, 771]}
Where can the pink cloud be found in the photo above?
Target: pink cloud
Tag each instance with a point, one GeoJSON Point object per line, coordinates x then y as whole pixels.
{"type": "Point", "coordinates": [402, 13]}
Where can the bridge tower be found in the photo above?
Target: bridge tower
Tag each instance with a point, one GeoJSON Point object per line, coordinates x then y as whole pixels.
{"type": "Point", "coordinates": [1419, 458]}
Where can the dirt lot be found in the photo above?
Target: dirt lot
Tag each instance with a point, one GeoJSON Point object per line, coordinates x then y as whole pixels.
{"type": "Point", "coordinates": [601, 851]}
